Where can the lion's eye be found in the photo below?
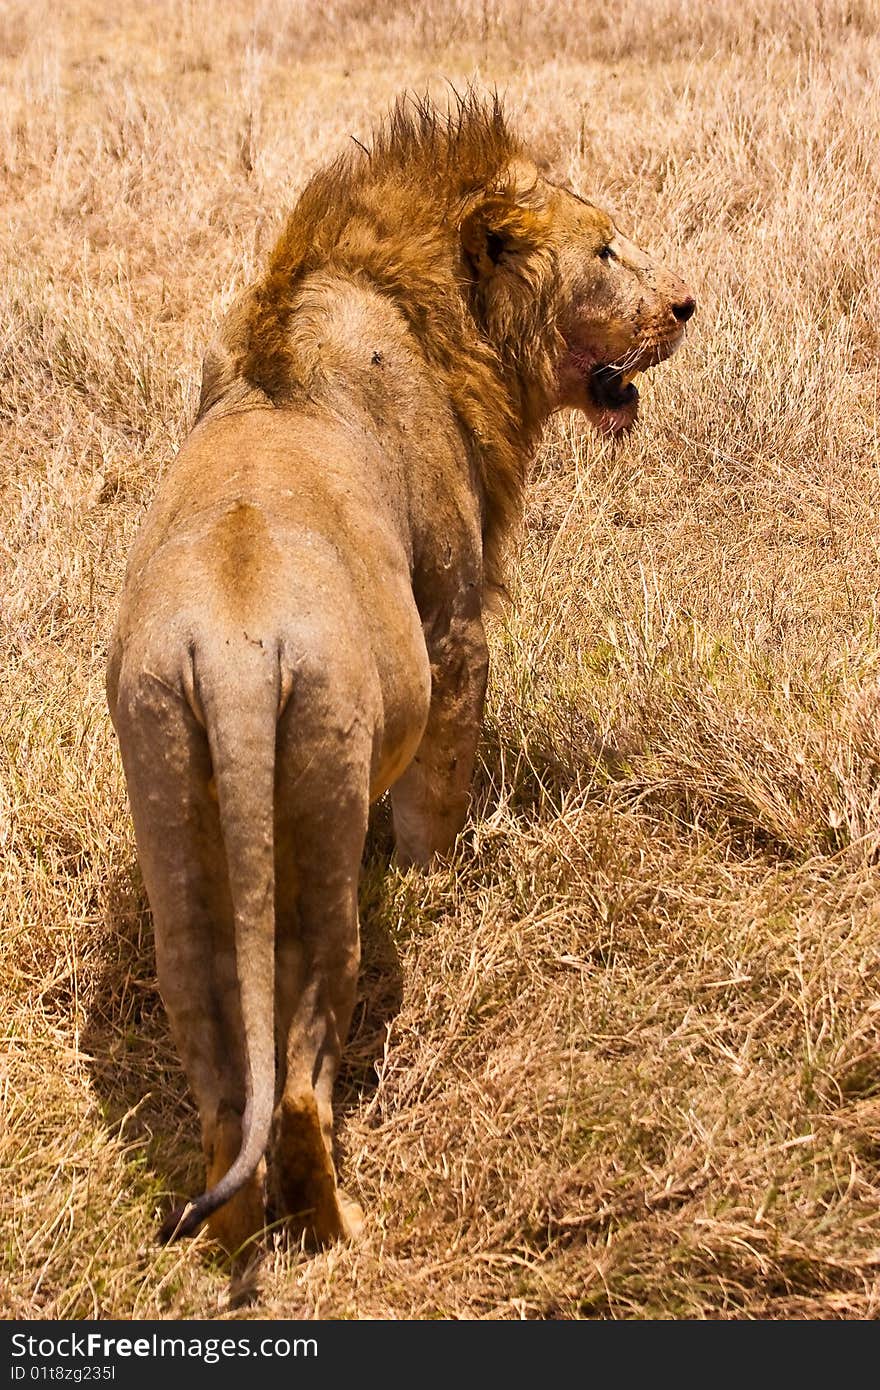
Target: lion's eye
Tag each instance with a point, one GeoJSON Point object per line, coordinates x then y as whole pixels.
{"type": "Point", "coordinates": [606, 254]}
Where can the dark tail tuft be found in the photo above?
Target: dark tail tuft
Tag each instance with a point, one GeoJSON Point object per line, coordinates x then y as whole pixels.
{"type": "Point", "coordinates": [183, 1221]}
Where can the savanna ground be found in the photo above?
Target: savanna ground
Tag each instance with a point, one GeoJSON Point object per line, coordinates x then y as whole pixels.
{"type": "Point", "coordinates": [620, 1057]}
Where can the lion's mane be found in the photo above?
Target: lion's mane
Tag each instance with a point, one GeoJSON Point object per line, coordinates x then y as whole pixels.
{"type": "Point", "coordinates": [391, 216]}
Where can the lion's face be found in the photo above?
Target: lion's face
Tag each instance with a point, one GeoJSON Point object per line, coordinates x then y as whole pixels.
{"type": "Point", "coordinates": [543, 257]}
{"type": "Point", "coordinates": [619, 313]}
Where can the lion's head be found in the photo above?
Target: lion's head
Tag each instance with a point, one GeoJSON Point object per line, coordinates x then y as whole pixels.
{"type": "Point", "coordinates": [605, 310]}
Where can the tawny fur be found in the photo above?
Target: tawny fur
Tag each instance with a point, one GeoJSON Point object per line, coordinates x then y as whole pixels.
{"type": "Point", "coordinates": [392, 216]}
{"type": "Point", "coordinates": [301, 626]}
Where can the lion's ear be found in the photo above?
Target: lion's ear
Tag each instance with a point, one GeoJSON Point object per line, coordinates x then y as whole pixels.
{"type": "Point", "coordinates": [483, 239]}
{"type": "Point", "coordinates": [502, 223]}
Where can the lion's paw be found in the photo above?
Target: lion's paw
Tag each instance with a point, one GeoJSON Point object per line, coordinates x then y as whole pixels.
{"type": "Point", "coordinates": [351, 1216]}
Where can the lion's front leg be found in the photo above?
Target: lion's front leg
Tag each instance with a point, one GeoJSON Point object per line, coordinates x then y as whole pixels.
{"type": "Point", "coordinates": [430, 801]}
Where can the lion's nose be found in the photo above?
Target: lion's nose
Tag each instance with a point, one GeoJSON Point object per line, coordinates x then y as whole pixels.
{"type": "Point", "coordinates": [684, 310]}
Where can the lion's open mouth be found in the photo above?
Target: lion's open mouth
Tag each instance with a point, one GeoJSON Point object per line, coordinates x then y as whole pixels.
{"type": "Point", "coordinates": [612, 389]}
{"type": "Point", "coordinates": [605, 389]}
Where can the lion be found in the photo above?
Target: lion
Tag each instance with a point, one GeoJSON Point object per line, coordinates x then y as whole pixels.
{"type": "Point", "coordinates": [302, 620]}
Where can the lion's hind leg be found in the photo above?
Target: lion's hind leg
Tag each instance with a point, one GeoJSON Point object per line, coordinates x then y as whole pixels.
{"type": "Point", "coordinates": [319, 843]}
{"type": "Point", "coordinates": [234, 1225]}
{"type": "Point", "coordinates": [317, 986]}
{"type": "Point", "coordinates": [305, 1175]}
{"type": "Point", "coordinates": [177, 826]}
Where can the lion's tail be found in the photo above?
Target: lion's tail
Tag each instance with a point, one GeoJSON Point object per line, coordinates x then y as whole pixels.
{"type": "Point", "coordinates": [243, 757]}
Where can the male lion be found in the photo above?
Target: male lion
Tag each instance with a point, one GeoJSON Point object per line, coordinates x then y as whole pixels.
{"type": "Point", "coordinates": [301, 626]}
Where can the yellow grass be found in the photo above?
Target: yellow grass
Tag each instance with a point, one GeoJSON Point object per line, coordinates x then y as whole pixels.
{"type": "Point", "coordinates": [621, 1058]}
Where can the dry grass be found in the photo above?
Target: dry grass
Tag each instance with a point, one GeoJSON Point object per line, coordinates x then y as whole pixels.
{"type": "Point", "coordinates": [622, 1057]}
